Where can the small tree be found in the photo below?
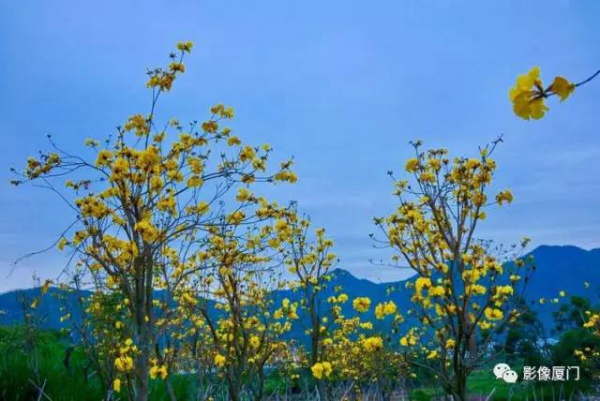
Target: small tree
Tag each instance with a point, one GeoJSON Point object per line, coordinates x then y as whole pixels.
{"type": "Point", "coordinates": [571, 315]}
{"type": "Point", "coordinates": [311, 262]}
{"type": "Point", "coordinates": [525, 338]}
{"type": "Point", "coordinates": [246, 333]}
{"type": "Point", "coordinates": [462, 290]}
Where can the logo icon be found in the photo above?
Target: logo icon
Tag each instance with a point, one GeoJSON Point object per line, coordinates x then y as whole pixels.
{"type": "Point", "coordinates": [504, 372]}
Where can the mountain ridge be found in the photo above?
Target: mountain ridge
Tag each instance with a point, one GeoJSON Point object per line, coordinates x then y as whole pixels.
{"type": "Point", "coordinates": [559, 268]}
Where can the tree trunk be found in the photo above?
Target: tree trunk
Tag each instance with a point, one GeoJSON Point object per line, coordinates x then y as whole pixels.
{"type": "Point", "coordinates": [142, 368]}
{"type": "Point", "coordinates": [260, 386]}
{"type": "Point", "coordinates": [142, 378]}
{"type": "Point", "coordinates": [460, 390]}
{"type": "Point", "coordinates": [234, 384]}
{"type": "Point", "coordinates": [234, 394]}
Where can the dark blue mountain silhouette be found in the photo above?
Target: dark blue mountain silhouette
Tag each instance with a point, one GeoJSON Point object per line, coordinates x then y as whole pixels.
{"type": "Point", "coordinates": [558, 268]}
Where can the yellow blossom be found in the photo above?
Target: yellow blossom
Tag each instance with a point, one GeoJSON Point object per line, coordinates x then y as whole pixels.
{"type": "Point", "coordinates": [185, 46]}
{"type": "Point", "coordinates": [412, 165]}
{"type": "Point", "coordinates": [493, 314]}
{"type": "Point", "coordinates": [422, 282]}
{"type": "Point", "coordinates": [437, 291]}
{"type": "Point", "coordinates": [220, 360]}
{"type": "Point", "coordinates": [433, 354]}
{"type": "Point", "coordinates": [361, 304]}
{"type": "Point", "coordinates": [504, 196]}
{"type": "Point", "coordinates": [384, 309]}
{"type": "Point", "coordinates": [527, 100]}
{"type": "Point", "coordinates": [372, 344]}
{"type": "Point", "coordinates": [233, 140]}
{"type": "Point", "coordinates": [124, 363]}
{"type": "Point", "coordinates": [158, 371]}
{"type": "Point", "coordinates": [562, 87]}
{"type": "Point", "coordinates": [321, 368]}
{"type": "Point", "coordinates": [194, 181]}
{"type": "Point", "coordinates": [147, 230]}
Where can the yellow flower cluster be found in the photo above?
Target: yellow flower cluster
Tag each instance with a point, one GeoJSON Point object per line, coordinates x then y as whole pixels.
{"type": "Point", "coordinates": [410, 339]}
{"type": "Point", "coordinates": [288, 310]}
{"type": "Point", "coordinates": [372, 344]}
{"type": "Point", "coordinates": [124, 363]}
{"type": "Point", "coordinates": [504, 196]}
{"type": "Point", "coordinates": [528, 95]}
{"type": "Point", "coordinates": [384, 309]}
{"type": "Point", "coordinates": [361, 304]}
{"type": "Point", "coordinates": [493, 314]}
{"type": "Point", "coordinates": [321, 369]}
{"type": "Point", "coordinates": [158, 371]}
{"type": "Point", "coordinates": [593, 321]}
{"type": "Point", "coordinates": [220, 360]}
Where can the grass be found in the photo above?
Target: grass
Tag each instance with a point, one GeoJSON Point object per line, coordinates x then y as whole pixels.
{"type": "Point", "coordinates": [482, 382]}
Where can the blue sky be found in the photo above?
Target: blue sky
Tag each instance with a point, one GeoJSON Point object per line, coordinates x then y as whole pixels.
{"type": "Point", "coordinates": [341, 85]}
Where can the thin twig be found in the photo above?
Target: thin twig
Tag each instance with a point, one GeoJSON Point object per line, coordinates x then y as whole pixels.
{"type": "Point", "coordinates": [588, 79]}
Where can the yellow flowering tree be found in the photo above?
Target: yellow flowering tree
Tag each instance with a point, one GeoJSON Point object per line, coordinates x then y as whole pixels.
{"type": "Point", "coordinates": [354, 355]}
{"type": "Point", "coordinates": [245, 333]}
{"type": "Point", "coordinates": [311, 263]}
{"type": "Point", "coordinates": [590, 356]}
{"type": "Point", "coordinates": [593, 322]}
{"type": "Point", "coordinates": [147, 205]}
{"type": "Point", "coordinates": [462, 291]}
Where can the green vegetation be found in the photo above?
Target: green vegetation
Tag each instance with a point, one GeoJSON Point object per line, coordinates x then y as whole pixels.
{"type": "Point", "coordinates": [34, 359]}
{"type": "Point", "coordinates": [28, 362]}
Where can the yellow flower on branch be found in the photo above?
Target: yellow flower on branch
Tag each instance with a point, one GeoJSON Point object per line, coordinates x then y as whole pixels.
{"type": "Point", "coordinates": [158, 371]}
{"type": "Point", "coordinates": [422, 282]}
{"type": "Point", "coordinates": [361, 304]}
{"type": "Point", "coordinates": [432, 355]}
{"type": "Point", "coordinates": [527, 95]}
{"type": "Point", "coordinates": [185, 46]}
{"type": "Point", "coordinates": [233, 140]}
{"type": "Point", "coordinates": [220, 360]}
{"type": "Point", "coordinates": [147, 230]}
{"type": "Point", "coordinates": [437, 291]}
{"type": "Point", "coordinates": [594, 321]}
{"type": "Point", "coordinates": [321, 368]}
{"type": "Point", "coordinates": [493, 314]}
{"type": "Point", "coordinates": [412, 165]}
{"type": "Point", "coordinates": [124, 363]}
{"type": "Point", "coordinates": [504, 196]}
{"type": "Point", "coordinates": [372, 344]}
{"type": "Point", "coordinates": [384, 309]}
{"type": "Point", "coordinates": [562, 88]}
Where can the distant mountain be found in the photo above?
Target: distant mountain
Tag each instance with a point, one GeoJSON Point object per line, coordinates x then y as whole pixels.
{"type": "Point", "coordinates": [11, 305]}
{"type": "Point", "coordinates": [563, 268]}
{"type": "Point", "coordinates": [558, 268]}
